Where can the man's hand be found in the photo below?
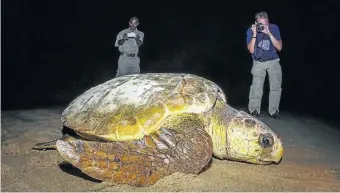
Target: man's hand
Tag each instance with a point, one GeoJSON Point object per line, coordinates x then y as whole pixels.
{"type": "Point", "coordinates": [253, 28]}
{"type": "Point", "coordinates": [266, 30]}
{"type": "Point", "coordinates": [138, 40]}
{"type": "Point", "coordinates": [125, 36]}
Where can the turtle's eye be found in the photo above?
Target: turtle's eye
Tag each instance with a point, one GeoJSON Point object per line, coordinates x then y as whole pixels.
{"type": "Point", "coordinates": [266, 140]}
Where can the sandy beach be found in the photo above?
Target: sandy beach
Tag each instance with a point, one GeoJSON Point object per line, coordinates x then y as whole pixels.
{"type": "Point", "coordinates": [311, 161]}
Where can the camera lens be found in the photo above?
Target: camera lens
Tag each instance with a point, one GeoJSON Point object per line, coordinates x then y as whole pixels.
{"type": "Point", "coordinates": [259, 27]}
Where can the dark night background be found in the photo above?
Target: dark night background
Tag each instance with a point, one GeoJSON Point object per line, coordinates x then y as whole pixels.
{"type": "Point", "coordinates": [54, 50]}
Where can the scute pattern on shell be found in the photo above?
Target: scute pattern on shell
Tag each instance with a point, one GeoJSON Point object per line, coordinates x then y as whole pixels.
{"type": "Point", "coordinates": [131, 106]}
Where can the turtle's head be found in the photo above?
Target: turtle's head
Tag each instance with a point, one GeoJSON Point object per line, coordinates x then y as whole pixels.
{"type": "Point", "coordinates": [250, 140]}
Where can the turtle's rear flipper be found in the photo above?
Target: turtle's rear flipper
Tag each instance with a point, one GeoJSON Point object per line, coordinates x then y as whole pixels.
{"type": "Point", "coordinates": [50, 145]}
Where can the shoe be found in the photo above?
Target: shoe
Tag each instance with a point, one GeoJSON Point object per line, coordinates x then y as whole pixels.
{"type": "Point", "coordinates": [255, 113]}
{"type": "Point", "coordinates": [275, 115]}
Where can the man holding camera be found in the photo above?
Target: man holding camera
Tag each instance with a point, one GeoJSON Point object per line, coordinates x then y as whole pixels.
{"type": "Point", "coordinates": [128, 42]}
{"type": "Point", "coordinates": [263, 42]}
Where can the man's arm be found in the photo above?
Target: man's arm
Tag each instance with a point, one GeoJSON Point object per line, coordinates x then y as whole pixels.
{"type": "Point", "coordinates": [275, 37]}
{"type": "Point", "coordinates": [120, 39]}
{"type": "Point", "coordinates": [140, 38]}
{"type": "Point", "coordinates": [251, 39]}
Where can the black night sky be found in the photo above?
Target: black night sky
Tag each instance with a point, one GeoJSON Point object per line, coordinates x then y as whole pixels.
{"type": "Point", "coordinates": [54, 50]}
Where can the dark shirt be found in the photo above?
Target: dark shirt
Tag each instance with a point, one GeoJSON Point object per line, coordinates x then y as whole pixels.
{"type": "Point", "coordinates": [264, 49]}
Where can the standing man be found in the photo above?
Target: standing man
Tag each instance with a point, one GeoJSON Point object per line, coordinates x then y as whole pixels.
{"type": "Point", "coordinates": [128, 42]}
{"type": "Point", "coordinates": [263, 42]}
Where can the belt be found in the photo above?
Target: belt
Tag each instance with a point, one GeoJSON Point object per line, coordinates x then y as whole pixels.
{"type": "Point", "coordinates": [128, 55]}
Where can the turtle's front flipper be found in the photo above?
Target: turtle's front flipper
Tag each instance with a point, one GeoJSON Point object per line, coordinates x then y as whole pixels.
{"type": "Point", "coordinates": [50, 145]}
{"type": "Point", "coordinates": [177, 147]}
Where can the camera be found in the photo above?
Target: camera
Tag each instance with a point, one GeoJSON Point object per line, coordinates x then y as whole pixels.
{"type": "Point", "coordinates": [131, 35]}
{"type": "Point", "coordinates": [259, 27]}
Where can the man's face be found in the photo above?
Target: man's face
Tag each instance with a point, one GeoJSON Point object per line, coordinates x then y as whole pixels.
{"type": "Point", "coordinates": [264, 21]}
{"type": "Point", "coordinates": [133, 24]}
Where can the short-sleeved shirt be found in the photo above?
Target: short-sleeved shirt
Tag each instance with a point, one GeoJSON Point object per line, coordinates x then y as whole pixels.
{"type": "Point", "coordinates": [264, 49]}
{"type": "Point", "coordinates": [130, 46]}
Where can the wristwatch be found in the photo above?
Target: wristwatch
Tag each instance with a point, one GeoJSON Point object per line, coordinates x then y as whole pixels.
{"type": "Point", "coordinates": [254, 36]}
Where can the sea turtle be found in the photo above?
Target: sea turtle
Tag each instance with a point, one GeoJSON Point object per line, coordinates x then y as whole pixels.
{"type": "Point", "coordinates": [136, 129]}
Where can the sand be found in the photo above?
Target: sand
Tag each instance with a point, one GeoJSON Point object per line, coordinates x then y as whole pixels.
{"type": "Point", "coordinates": [311, 160]}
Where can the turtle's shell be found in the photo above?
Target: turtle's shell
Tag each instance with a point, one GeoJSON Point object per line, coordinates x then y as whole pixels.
{"type": "Point", "coordinates": [129, 107]}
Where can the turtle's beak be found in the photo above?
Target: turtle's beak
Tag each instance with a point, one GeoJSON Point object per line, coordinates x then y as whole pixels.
{"type": "Point", "coordinates": [277, 153]}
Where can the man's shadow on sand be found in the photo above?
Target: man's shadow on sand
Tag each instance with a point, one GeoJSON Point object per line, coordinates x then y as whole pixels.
{"type": "Point", "coordinates": [68, 168]}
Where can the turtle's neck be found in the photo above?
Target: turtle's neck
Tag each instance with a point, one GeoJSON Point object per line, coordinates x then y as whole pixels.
{"type": "Point", "coordinates": [217, 128]}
